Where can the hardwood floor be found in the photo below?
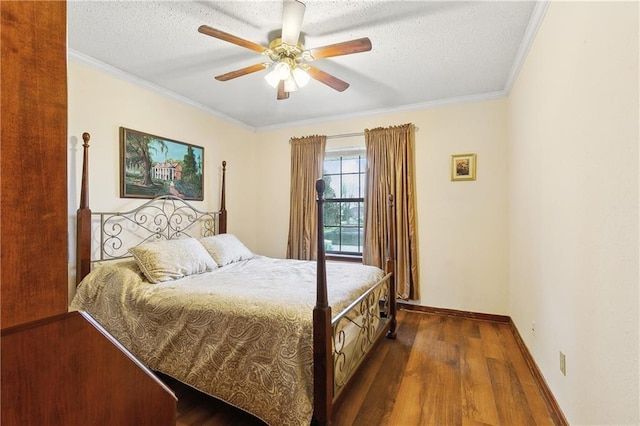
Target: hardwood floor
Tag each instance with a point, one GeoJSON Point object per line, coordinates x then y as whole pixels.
{"type": "Point", "coordinates": [441, 370]}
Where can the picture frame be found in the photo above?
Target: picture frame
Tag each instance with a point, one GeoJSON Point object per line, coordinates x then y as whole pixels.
{"type": "Point", "coordinates": [151, 166]}
{"type": "Point", "coordinates": [463, 167]}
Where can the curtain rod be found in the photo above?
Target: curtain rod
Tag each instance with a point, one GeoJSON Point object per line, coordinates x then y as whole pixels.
{"type": "Point", "coordinates": [351, 135]}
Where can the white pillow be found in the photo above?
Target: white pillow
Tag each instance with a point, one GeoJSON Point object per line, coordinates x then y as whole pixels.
{"type": "Point", "coordinates": [226, 249]}
{"type": "Point", "coordinates": [168, 260]}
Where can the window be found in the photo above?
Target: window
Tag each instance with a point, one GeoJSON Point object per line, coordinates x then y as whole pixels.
{"type": "Point", "coordinates": [344, 175]}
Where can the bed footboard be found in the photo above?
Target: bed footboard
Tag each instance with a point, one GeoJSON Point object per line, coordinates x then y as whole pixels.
{"type": "Point", "coordinates": [336, 357]}
{"type": "Point", "coordinates": [357, 329]}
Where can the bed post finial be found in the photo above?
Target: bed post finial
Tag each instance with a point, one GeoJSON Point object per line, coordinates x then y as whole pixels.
{"type": "Point", "coordinates": [322, 330]}
{"type": "Point", "coordinates": [222, 220]}
{"type": "Point", "coordinates": [83, 225]}
{"type": "Point", "coordinates": [84, 195]}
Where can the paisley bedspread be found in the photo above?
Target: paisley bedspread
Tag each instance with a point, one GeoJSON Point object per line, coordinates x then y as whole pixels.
{"type": "Point", "coordinates": [242, 333]}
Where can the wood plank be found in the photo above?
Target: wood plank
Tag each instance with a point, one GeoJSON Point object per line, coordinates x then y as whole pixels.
{"type": "Point", "coordinates": [431, 379]}
{"type": "Point", "coordinates": [478, 400]}
{"type": "Point", "coordinates": [492, 341]}
{"type": "Point", "coordinates": [512, 403]}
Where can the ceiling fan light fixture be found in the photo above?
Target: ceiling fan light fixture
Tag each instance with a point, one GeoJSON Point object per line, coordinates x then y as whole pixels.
{"type": "Point", "coordinates": [290, 85]}
{"type": "Point", "coordinates": [272, 78]}
{"type": "Point", "coordinates": [300, 76]}
{"type": "Point", "coordinates": [279, 71]}
{"type": "Point", "coordinates": [283, 70]}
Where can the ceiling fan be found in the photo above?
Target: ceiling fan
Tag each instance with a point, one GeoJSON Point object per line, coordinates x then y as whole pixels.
{"type": "Point", "coordinates": [287, 59]}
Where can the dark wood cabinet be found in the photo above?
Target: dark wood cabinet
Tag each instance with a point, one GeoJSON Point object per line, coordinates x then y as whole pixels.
{"type": "Point", "coordinates": [67, 370]}
{"type": "Point", "coordinates": [33, 172]}
{"type": "Point", "coordinates": [58, 368]}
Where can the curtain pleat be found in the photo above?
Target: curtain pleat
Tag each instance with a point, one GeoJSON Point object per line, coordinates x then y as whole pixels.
{"type": "Point", "coordinates": [307, 156]}
{"type": "Point", "coordinates": [391, 171]}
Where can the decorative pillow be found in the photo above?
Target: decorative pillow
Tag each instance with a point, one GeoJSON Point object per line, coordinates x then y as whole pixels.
{"type": "Point", "coordinates": [226, 249]}
{"type": "Point", "coordinates": [168, 260]}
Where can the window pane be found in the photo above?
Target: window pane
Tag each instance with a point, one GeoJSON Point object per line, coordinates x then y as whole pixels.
{"type": "Point", "coordinates": [332, 234]}
{"type": "Point", "coordinates": [331, 214]}
{"type": "Point", "coordinates": [332, 188]}
{"type": "Point", "coordinates": [350, 239]}
{"type": "Point", "coordinates": [350, 214]}
{"type": "Point", "coordinates": [350, 165]}
{"type": "Point", "coordinates": [332, 166]}
{"type": "Point", "coordinates": [350, 185]}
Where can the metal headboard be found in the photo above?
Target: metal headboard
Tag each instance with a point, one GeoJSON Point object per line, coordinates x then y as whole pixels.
{"type": "Point", "coordinates": [163, 218]}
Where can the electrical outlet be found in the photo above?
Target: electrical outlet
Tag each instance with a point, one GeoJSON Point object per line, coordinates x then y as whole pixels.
{"type": "Point", "coordinates": [563, 363]}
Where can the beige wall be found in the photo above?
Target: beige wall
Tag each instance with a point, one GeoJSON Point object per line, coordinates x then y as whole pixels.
{"type": "Point", "coordinates": [100, 103]}
{"type": "Point", "coordinates": [462, 225]}
{"type": "Point", "coordinates": [573, 207]}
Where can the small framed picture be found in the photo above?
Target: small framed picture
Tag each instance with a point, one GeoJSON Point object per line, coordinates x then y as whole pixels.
{"type": "Point", "coordinates": [463, 167]}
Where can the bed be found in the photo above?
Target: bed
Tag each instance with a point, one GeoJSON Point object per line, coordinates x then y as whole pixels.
{"type": "Point", "coordinates": [279, 338]}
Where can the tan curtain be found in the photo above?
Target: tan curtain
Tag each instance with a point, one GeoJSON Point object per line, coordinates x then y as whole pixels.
{"type": "Point", "coordinates": [307, 156]}
{"type": "Point", "coordinates": [391, 170]}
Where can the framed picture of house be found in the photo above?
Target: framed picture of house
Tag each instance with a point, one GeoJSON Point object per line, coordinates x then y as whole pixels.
{"type": "Point", "coordinates": [151, 166]}
{"type": "Point", "coordinates": [463, 167]}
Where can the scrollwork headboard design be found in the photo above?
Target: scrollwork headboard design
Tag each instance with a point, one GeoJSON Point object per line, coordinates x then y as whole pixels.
{"type": "Point", "coordinates": [162, 218]}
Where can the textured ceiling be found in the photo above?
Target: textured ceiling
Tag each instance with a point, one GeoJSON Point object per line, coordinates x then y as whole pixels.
{"type": "Point", "coordinates": [424, 53]}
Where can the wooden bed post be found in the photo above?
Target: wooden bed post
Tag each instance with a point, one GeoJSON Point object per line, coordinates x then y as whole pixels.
{"type": "Point", "coordinates": [222, 220]}
{"type": "Point", "coordinates": [391, 267]}
{"type": "Point", "coordinates": [322, 348]}
{"type": "Point", "coordinates": [83, 225]}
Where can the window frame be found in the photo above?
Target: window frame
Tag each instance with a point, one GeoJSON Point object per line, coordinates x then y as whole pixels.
{"type": "Point", "coordinates": [341, 154]}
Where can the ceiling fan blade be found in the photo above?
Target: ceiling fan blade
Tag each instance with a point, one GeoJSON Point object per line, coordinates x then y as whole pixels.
{"type": "Point", "coordinates": [292, 14]}
{"type": "Point", "coordinates": [205, 29]}
{"type": "Point", "coordinates": [339, 49]}
{"type": "Point", "coordinates": [328, 79]}
{"type": "Point", "coordinates": [241, 72]}
{"type": "Point", "coordinates": [281, 93]}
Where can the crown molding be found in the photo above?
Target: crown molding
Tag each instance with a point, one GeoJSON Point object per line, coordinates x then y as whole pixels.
{"type": "Point", "coordinates": [539, 11]}
{"type": "Point", "coordinates": [130, 78]}
{"type": "Point", "coordinates": [488, 96]}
